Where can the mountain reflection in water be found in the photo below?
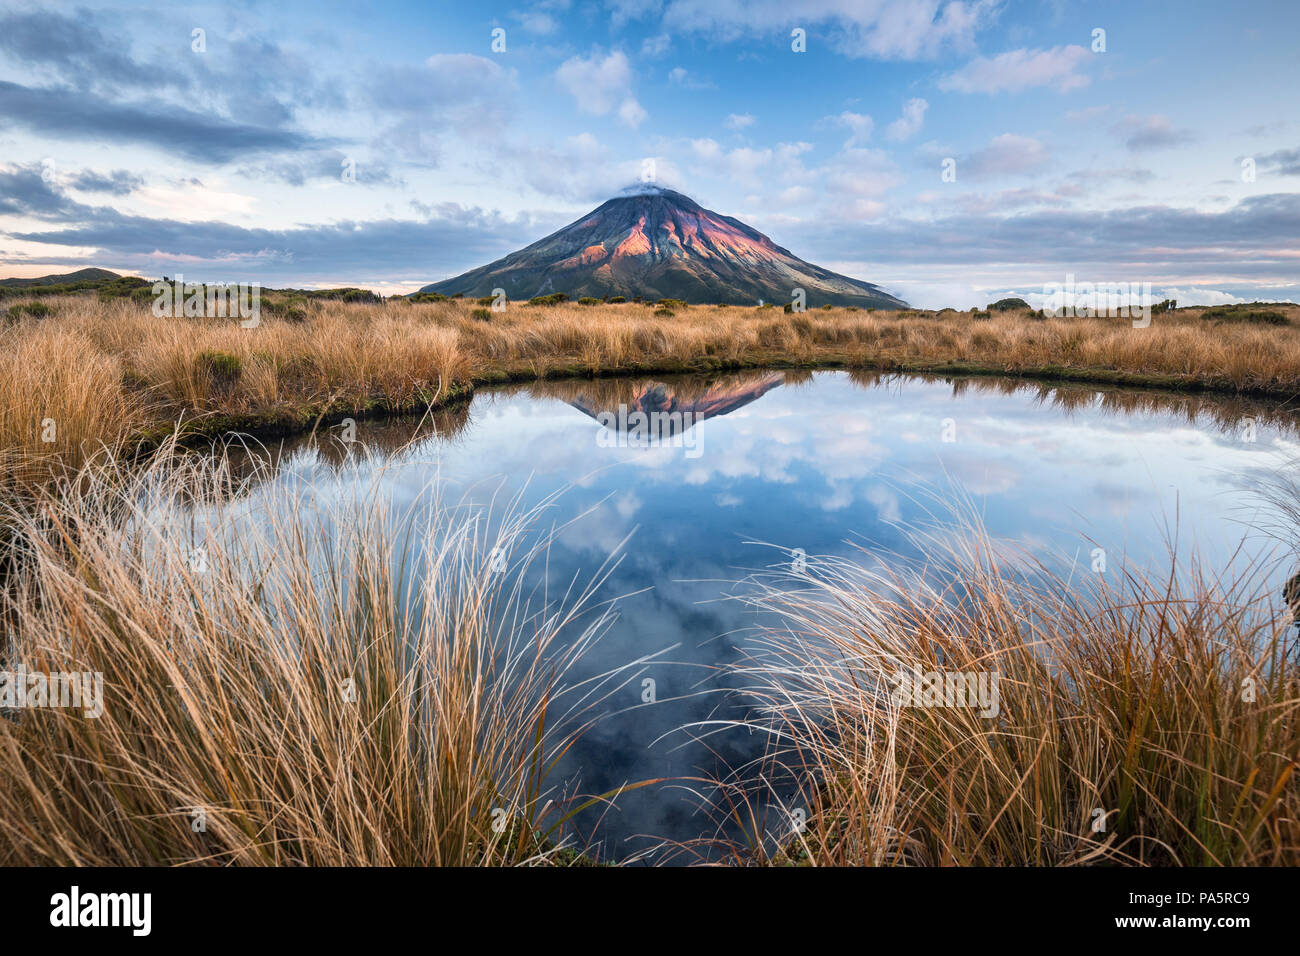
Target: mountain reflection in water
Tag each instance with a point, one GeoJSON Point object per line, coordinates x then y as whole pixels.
{"type": "Point", "coordinates": [824, 462]}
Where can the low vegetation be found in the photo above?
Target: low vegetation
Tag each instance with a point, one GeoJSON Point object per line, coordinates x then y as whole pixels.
{"type": "Point", "coordinates": [377, 735]}
{"type": "Point", "coordinates": [1139, 720]}
{"type": "Point", "coordinates": [1254, 313]}
{"type": "Point", "coordinates": [272, 693]}
{"type": "Point", "coordinates": [112, 374]}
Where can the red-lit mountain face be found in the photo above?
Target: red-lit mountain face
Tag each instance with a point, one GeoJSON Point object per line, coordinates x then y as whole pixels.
{"type": "Point", "coordinates": [659, 244]}
{"type": "Point", "coordinates": [718, 397]}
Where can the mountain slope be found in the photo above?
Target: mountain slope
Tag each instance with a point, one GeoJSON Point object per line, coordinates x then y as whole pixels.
{"type": "Point", "coordinates": [657, 244]}
{"type": "Point", "coordinates": [81, 275]}
{"type": "Point", "coordinates": [717, 398]}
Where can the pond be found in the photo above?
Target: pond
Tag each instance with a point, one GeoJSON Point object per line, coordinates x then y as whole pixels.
{"type": "Point", "coordinates": [824, 462]}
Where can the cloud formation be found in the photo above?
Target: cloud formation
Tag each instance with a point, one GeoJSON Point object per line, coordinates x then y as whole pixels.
{"type": "Point", "coordinates": [602, 85]}
{"type": "Point", "coordinates": [909, 124]}
{"type": "Point", "coordinates": [1060, 68]}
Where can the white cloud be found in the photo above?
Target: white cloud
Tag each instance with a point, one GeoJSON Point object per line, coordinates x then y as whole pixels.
{"type": "Point", "coordinates": [858, 182]}
{"type": "Point", "coordinates": [621, 11]}
{"type": "Point", "coordinates": [656, 45]}
{"type": "Point", "coordinates": [631, 112]}
{"type": "Point", "coordinates": [536, 21]}
{"type": "Point", "coordinates": [754, 167]}
{"type": "Point", "coordinates": [421, 104]}
{"type": "Point", "coordinates": [909, 124]}
{"type": "Point", "coordinates": [738, 121]}
{"type": "Point", "coordinates": [1197, 296]}
{"type": "Point", "coordinates": [859, 126]}
{"type": "Point", "coordinates": [682, 77]}
{"type": "Point", "coordinates": [601, 85]}
{"type": "Point", "coordinates": [884, 29]}
{"type": "Point", "coordinates": [1022, 69]}
{"type": "Point", "coordinates": [1005, 155]}
{"type": "Point", "coordinates": [537, 18]}
{"type": "Point", "coordinates": [1151, 132]}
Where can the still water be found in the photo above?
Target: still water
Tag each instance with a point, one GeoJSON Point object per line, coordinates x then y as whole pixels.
{"type": "Point", "coordinates": [824, 462]}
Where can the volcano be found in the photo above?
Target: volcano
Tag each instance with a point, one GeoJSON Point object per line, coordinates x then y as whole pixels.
{"type": "Point", "coordinates": [717, 397]}
{"type": "Point", "coordinates": [658, 244]}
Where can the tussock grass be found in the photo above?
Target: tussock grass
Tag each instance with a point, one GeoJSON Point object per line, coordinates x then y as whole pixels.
{"type": "Point", "coordinates": [327, 687]}
{"type": "Point", "coordinates": [1166, 705]}
{"type": "Point", "coordinates": [61, 402]}
{"type": "Point", "coordinates": [356, 687]}
{"type": "Point", "coordinates": [107, 370]}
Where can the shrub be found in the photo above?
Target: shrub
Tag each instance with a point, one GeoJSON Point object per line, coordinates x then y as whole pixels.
{"type": "Point", "coordinates": [616, 299]}
{"type": "Point", "coordinates": [37, 310]}
{"type": "Point", "coordinates": [667, 313]}
{"type": "Point", "coordinates": [671, 304]}
{"type": "Point", "coordinates": [344, 295]}
{"type": "Point", "coordinates": [124, 287]}
{"type": "Point", "coordinates": [555, 298]}
{"type": "Point", "coordinates": [483, 315]}
{"type": "Point", "coordinates": [427, 297]}
{"type": "Point", "coordinates": [977, 314]}
{"type": "Point", "coordinates": [485, 300]}
{"type": "Point", "coordinates": [1238, 313]}
{"type": "Point", "coordinates": [588, 300]}
{"type": "Point", "coordinates": [221, 368]}
{"type": "Point", "coordinates": [1005, 305]}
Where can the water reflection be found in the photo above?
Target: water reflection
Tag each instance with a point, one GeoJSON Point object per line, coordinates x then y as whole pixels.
{"type": "Point", "coordinates": [812, 461]}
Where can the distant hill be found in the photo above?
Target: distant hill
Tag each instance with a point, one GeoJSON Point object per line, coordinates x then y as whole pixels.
{"type": "Point", "coordinates": [81, 275]}
{"type": "Point", "coordinates": [659, 244]}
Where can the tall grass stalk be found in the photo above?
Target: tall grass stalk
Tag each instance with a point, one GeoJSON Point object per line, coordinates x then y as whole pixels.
{"type": "Point", "coordinates": [1143, 719]}
{"type": "Point", "coordinates": [343, 685]}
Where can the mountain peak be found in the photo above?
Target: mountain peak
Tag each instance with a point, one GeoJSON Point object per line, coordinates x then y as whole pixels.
{"type": "Point", "coordinates": [655, 242]}
{"type": "Point", "coordinates": [647, 189]}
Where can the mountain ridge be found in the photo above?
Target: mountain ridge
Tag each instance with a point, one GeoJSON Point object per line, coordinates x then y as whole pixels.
{"type": "Point", "coordinates": [81, 275]}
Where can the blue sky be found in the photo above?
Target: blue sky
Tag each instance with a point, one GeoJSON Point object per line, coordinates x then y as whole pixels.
{"type": "Point", "coordinates": [123, 146]}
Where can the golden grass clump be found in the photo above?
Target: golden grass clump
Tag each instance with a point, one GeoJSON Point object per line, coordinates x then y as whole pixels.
{"type": "Point", "coordinates": [1140, 720]}
{"type": "Point", "coordinates": [283, 684]}
{"type": "Point", "coordinates": [61, 402]}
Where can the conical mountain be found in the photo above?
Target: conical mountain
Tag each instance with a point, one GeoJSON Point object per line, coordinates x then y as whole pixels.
{"type": "Point", "coordinates": [658, 244]}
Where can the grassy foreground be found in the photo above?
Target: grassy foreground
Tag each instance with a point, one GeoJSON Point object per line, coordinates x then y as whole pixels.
{"type": "Point", "coordinates": [90, 373]}
{"type": "Point", "coordinates": [286, 692]}
{"type": "Point", "coordinates": [275, 690]}
{"type": "Point", "coordinates": [309, 712]}
{"type": "Point", "coordinates": [1148, 720]}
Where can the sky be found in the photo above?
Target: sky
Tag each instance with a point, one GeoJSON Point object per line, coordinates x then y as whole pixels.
{"type": "Point", "coordinates": [950, 151]}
